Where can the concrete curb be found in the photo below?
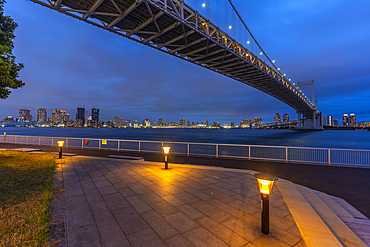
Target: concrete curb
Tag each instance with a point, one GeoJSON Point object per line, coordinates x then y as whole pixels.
{"type": "Point", "coordinates": [313, 230]}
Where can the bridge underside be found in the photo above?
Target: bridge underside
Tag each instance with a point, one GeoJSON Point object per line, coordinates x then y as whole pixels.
{"type": "Point", "coordinates": [173, 27]}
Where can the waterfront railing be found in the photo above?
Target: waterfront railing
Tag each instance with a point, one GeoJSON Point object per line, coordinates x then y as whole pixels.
{"type": "Point", "coordinates": [331, 156]}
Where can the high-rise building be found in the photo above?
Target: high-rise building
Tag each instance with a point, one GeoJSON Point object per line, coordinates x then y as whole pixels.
{"type": "Point", "coordinates": [116, 121]}
{"type": "Point", "coordinates": [146, 123]}
{"type": "Point", "coordinates": [277, 118]}
{"type": "Point", "coordinates": [232, 124]}
{"type": "Point", "coordinates": [352, 120]}
{"type": "Point", "coordinates": [122, 122]}
{"type": "Point", "coordinates": [80, 116]}
{"type": "Point", "coordinates": [182, 121]}
{"type": "Point", "coordinates": [335, 123]}
{"type": "Point", "coordinates": [345, 120]}
{"type": "Point", "coordinates": [188, 122]}
{"type": "Point", "coordinates": [206, 123]}
{"type": "Point", "coordinates": [258, 121]}
{"type": "Point", "coordinates": [286, 117]}
{"type": "Point", "coordinates": [41, 115]}
{"type": "Point", "coordinates": [160, 122]}
{"type": "Point", "coordinates": [324, 120]}
{"type": "Point", "coordinates": [57, 116]}
{"type": "Point", "coordinates": [66, 117]}
{"type": "Point", "coordinates": [95, 116]}
{"type": "Point", "coordinates": [25, 115]}
{"type": "Point", "coordinates": [330, 120]}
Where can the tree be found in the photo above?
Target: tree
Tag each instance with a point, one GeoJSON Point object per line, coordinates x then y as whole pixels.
{"type": "Point", "coordinates": [9, 69]}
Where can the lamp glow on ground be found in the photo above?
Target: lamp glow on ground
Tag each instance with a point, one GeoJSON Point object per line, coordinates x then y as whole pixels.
{"type": "Point", "coordinates": [60, 145]}
{"type": "Point", "coordinates": [166, 151]}
{"type": "Point", "coordinates": [265, 183]}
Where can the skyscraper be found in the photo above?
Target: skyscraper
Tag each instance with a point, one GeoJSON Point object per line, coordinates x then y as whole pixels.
{"type": "Point", "coordinates": [58, 116]}
{"type": "Point", "coordinates": [146, 123]}
{"type": "Point", "coordinates": [182, 121]}
{"type": "Point", "coordinates": [352, 120]}
{"type": "Point", "coordinates": [160, 122]}
{"type": "Point", "coordinates": [41, 115]}
{"type": "Point", "coordinates": [95, 116]}
{"type": "Point", "coordinates": [330, 121]}
{"type": "Point", "coordinates": [25, 115]}
{"type": "Point", "coordinates": [122, 122]}
{"type": "Point", "coordinates": [345, 120]}
{"type": "Point", "coordinates": [258, 121]}
{"type": "Point", "coordinates": [286, 117]}
{"type": "Point", "coordinates": [80, 116]}
{"type": "Point", "coordinates": [335, 122]}
{"type": "Point", "coordinates": [116, 121]}
{"type": "Point", "coordinates": [324, 120]}
{"type": "Point", "coordinates": [277, 118]}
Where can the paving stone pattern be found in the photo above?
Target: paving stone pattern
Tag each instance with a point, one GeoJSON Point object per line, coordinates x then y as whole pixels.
{"type": "Point", "coordinates": [135, 203]}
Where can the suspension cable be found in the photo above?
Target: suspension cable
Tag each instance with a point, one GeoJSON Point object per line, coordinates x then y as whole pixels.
{"type": "Point", "coordinates": [240, 18]}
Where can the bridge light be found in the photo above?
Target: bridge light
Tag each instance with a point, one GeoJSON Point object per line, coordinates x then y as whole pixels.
{"type": "Point", "coordinates": [284, 74]}
{"type": "Point", "coordinates": [290, 79]}
{"type": "Point", "coordinates": [230, 27]}
{"type": "Point", "coordinates": [261, 53]}
{"type": "Point", "coordinates": [273, 61]}
{"type": "Point", "coordinates": [279, 69]}
{"type": "Point", "coordinates": [203, 5]}
{"type": "Point", "coordinates": [248, 42]}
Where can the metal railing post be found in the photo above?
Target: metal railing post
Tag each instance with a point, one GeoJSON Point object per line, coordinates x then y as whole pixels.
{"type": "Point", "coordinates": [26, 140]}
{"type": "Point", "coordinates": [4, 137]}
{"type": "Point", "coordinates": [286, 154]}
{"type": "Point", "coordinates": [139, 146]}
{"type": "Point", "coordinates": [52, 141]}
{"type": "Point", "coordinates": [216, 150]}
{"type": "Point", "coordinates": [188, 149]}
{"type": "Point", "coordinates": [118, 145]}
{"type": "Point", "coordinates": [15, 139]}
{"type": "Point", "coordinates": [249, 152]}
{"type": "Point", "coordinates": [66, 142]}
{"type": "Point", "coordinates": [99, 144]}
{"type": "Point", "coordinates": [39, 140]}
{"type": "Point", "coordinates": [82, 143]}
{"type": "Point", "coordinates": [329, 163]}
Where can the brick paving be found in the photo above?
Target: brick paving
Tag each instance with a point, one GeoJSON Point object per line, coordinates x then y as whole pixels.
{"type": "Point", "coordinates": [110, 202]}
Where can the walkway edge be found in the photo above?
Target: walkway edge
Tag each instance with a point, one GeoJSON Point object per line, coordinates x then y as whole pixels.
{"type": "Point", "coordinates": [313, 230]}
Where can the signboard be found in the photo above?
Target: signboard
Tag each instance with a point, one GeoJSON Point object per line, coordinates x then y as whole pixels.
{"type": "Point", "coordinates": [104, 142]}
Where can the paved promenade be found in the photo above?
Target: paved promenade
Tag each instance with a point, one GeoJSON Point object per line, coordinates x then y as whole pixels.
{"type": "Point", "coordinates": [109, 202]}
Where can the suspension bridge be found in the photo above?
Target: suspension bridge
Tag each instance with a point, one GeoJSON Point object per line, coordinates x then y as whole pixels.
{"type": "Point", "coordinates": [174, 27]}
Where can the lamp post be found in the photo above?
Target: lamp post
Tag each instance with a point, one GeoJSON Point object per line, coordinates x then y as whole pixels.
{"type": "Point", "coordinates": [166, 151]}
{"type": "Point", "coordinates": [204, 5]}
{"type": "Point", "coordinates": [60, 145]}
{"type": "Point", "coordinates": [265, 183]}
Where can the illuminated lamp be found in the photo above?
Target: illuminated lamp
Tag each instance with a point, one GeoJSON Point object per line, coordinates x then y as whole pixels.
{"type": "Point", "coordinates": [166, 151]}
{"type": "Point", "coordinates": [265, 183]}
{"type": "Point", "coordinates": [60, 145]}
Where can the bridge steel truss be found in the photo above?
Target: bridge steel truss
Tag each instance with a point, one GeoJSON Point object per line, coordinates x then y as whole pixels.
{"type": "Point", "coordinates": [173, 27]}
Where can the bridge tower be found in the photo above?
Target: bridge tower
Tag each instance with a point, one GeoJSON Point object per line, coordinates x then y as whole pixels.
{"type": "Point", "coordinates": [313, 119]}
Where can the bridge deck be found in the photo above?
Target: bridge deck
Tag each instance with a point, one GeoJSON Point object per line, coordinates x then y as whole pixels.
{"type": "Point", "coordinates": [174, 27]}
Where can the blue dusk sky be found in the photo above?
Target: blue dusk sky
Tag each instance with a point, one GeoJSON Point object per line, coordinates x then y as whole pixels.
{"type": "Point", "coordinates": [69, 63]}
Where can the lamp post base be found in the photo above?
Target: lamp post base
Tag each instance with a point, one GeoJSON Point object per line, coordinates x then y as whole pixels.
{"type": "Point", "coordinates": [265, 217]}
{"type": "Point", "coordinates": [60, 153]}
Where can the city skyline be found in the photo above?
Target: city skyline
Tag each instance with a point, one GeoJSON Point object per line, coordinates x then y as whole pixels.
{"type": "Point", "coordinates": [82, 114]}
{"type": "Point", "coordinates": [66, 63]}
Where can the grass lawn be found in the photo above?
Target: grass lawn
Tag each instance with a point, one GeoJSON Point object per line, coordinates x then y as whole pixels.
{"type": "Point", "coordinates": [25, 193]}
